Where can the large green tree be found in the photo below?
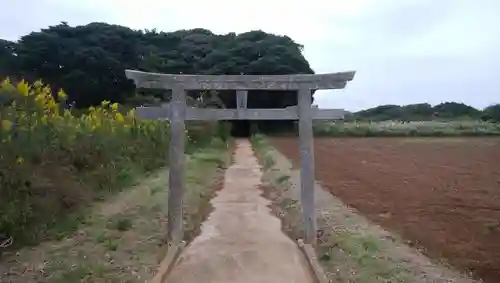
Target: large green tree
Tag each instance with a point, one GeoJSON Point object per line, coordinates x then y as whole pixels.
{"type": "Point", "coordinates": [89, 61]}
{"type": "Point", "coordinates": [7, 58]}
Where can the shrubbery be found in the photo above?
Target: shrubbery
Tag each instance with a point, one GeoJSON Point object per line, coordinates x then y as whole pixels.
{"type": "Point", "coordinates": [54, 160]}
{"type": "Point", "coordinates": [406, 129]}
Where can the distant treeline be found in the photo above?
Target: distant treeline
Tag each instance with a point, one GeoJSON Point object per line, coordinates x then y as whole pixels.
{"type": "Point", "coordinates": [426, 112]}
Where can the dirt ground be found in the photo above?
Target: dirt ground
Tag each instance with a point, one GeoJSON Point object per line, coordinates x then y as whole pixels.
{"type": "Point", "coordinates": [441, 195]}
{"type": "Point", "coordinates": [241, 241]}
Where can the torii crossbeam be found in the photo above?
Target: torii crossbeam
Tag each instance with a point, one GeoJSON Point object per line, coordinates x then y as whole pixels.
{"type": "Point", "coordinates": [178, 112]}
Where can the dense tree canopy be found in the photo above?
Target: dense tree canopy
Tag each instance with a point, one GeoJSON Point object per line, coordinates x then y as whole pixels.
{"type": "Point", "coordinates": [7, 57]}
{"type": "Point", "coordinates": [89, 61]}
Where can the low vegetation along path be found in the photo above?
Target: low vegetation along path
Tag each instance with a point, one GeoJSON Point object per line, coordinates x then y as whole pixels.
{"type": "Point", "coordinates": [241, 241]}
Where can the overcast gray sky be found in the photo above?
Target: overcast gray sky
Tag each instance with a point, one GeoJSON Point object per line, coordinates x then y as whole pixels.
{"type": "Point", "coordinates": [404, 51]}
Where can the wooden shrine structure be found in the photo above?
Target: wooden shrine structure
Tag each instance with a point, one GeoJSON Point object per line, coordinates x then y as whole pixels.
{"type": "Point", "coordinates": [178, 112]}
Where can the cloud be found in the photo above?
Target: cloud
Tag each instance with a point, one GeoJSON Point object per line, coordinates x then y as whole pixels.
{"type": "Point", "coordinates": [404, 51]}
{"type": "Point", "coordinates": [448, 53]}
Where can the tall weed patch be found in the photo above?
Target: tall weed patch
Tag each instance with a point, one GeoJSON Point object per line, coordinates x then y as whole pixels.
{"type": "Point", "coordinates": [54, 160]}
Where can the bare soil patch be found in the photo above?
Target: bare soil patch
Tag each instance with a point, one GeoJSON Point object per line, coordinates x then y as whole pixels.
{"type": "Point", "coordinates": [441, 195]}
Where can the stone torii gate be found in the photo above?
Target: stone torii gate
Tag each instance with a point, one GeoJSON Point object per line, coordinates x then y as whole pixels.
{"type": "Point", "coordinates": [177, 112]}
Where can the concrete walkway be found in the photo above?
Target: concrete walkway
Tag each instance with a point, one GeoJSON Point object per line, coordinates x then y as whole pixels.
{"type": "Point", "coordinates": [241, 241]}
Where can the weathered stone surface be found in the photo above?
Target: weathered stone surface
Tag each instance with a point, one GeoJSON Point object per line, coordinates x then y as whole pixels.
{"type": "Point", "coordinates": [241, 82]}
{"type": "Point", "coordinates": [178, 112]}
{"type": "Point", "coordinates": [289, 113]}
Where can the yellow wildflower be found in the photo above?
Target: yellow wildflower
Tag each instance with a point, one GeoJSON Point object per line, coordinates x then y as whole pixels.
{"type": "Point", "coordinates": [62, 95]}
{"type": "Point", "coordinates": [6, 125]}
{"type": "Point", "coordinates": [6, 83]}
{"type": "Point", "coordinates": [20, 160]}
{"type": "Point", "coordinates": [119, 117]}
{"type": "Point", "coordinates": [38, 84]}
{"type": "Point", "coordinates": [114, 106]}
{"type": "Point", "coordinates": [23, 88]}
{"type": "Point", "coordinates": [51, 103]}
{"type": "Point", "coordinates": [40, 98]}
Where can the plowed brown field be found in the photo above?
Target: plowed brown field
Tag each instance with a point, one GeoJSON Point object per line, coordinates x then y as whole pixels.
{"type": "Point", "coordinates": [440, 194]}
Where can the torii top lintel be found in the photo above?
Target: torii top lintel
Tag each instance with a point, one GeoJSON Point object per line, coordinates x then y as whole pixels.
{"type": "Point", "coordinates": [240, 82]}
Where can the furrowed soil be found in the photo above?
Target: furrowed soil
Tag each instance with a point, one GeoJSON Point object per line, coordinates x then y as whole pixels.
{"type": "Point", "coordinates": [441, 195]}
